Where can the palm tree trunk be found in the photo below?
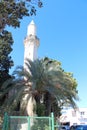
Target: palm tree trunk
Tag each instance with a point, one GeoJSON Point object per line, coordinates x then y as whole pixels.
{"type": "Point", "coordinates": [31, 107]}
{"type": "Point", "coordinates": [27, 105]}
{"type": "Point", "coordinates": [48, 103]}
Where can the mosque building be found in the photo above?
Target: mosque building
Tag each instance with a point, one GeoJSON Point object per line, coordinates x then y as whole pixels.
{"type": "Point", "coordinates": [31, 44]}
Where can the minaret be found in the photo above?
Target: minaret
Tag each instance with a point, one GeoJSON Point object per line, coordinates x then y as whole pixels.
{"type": "Point", "coordinates": [31, 43]}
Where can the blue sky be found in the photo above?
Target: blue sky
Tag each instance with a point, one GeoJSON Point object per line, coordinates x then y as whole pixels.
{"type": "Point", "coordinates": [62, 29]}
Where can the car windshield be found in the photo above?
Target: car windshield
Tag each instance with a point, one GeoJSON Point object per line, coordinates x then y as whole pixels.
{"type": "Point", "coordinates": [81, 127]}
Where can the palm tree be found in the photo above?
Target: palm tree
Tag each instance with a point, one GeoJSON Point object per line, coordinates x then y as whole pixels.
{"type": "Point", "coordinates": [44, 80]}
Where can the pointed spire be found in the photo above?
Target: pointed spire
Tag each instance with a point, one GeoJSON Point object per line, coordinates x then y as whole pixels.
{"type": "Point", "coordinates": [31, 28]}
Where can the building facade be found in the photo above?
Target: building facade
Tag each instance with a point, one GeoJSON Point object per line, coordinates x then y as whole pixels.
{"type": "Point", "coordinates": [73, 117]}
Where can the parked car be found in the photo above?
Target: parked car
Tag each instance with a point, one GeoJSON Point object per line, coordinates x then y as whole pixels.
{"type": "Point", "coordinates": [64, 127]}
{"type": "Point", "coordinates": [78, 127]}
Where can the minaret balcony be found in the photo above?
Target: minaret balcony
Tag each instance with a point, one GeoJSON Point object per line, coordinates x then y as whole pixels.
{"type": "Point", "coordinates": [31, 39]}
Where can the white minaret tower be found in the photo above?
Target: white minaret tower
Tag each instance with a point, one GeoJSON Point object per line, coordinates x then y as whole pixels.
{"type": "Point", "coordinates": [31, 43]}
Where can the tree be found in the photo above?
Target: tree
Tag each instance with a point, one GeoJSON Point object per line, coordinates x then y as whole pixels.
{"type": "Point", "coordinates": [6, 42]}
{"type": "Point", "coordinates": [46, 83]}
{"type": "Point", "coordinates": [11, 12]}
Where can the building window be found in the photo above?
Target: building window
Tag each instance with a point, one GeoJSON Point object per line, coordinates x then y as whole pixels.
{"type": "Point", "coordinates": [82, 113]}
